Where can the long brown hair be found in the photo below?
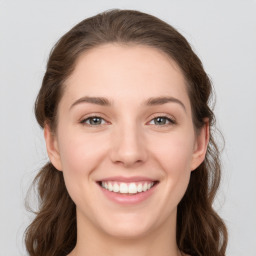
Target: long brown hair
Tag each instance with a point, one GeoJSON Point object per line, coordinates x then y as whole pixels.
{"type": "Point", "coordinates": [200, 231]}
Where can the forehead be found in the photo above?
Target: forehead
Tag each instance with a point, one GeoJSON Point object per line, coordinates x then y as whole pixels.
{"type": "Point", "coordinates": [126, 72]}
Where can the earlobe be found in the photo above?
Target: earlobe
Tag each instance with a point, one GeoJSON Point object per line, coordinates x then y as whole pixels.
{"type": "Point", "coordinates": [201, 145]}
{"type": "Point", "coordinates": [52, 147]}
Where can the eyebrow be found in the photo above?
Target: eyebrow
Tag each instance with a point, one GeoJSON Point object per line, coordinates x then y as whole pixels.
{"type": "Point", "coordinates": [102, 101]}
{"type": "Point", "coordinates": [164, 100]}
{"type": "Point", "coordinates": [93, 100]}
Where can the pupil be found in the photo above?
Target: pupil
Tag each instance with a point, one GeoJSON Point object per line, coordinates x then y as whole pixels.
{"type": "Point", "coordinates": [95, 120]}
{"type": "Point", "coordinates": [160, 120]}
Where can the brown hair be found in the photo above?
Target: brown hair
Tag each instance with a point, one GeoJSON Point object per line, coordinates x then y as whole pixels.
{"type": "Point", "coordinates": [200, 231]}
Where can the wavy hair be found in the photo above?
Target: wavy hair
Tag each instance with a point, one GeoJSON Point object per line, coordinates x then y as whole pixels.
{"type": "Point", "coordinates": [200, 230]}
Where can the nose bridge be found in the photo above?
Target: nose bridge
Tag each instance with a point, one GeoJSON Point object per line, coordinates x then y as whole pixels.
{"type": "Point", "coordinates": [128, 147]}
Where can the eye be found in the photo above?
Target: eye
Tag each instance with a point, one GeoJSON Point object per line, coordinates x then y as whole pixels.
{"type": "Point", "coordinates": [162, 120]}
{"type": "Point", "coordinates": [93, 121]}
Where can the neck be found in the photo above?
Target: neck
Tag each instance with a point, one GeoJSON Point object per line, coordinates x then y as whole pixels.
{"type": "Point", "coordinates": [91, 241]}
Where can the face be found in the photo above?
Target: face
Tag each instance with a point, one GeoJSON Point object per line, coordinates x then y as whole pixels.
{"type": "Point", "coordinates": [125, 140]}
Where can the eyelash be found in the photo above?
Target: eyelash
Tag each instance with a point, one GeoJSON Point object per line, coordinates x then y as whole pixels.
{"type": "Point", "coordinates": [166, 117]}
{"type": "Point", "coordinates": [171, 120]}
{"type": "Point", "coordinates": [90, 118]}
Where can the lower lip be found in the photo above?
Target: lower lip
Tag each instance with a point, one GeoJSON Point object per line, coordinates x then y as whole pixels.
{"type": "Point", "coordinates": [128, 199]}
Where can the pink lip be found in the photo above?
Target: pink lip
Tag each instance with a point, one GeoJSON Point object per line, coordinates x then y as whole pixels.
{"type": "Point", "coordinates": [128, 199]}
{"type": "Point", "coordinates": [128, 179]}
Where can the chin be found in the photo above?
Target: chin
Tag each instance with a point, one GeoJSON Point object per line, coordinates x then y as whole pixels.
{"type": "Point", "coordinates": [128, 233]}
{"type": "Point", "coordinates": [128, 228]}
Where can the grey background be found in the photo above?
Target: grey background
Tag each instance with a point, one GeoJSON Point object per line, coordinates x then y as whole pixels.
{"type": "Point", "coordinates": [223, 33]}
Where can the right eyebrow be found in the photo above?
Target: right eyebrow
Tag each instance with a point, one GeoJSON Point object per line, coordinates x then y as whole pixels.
{"type": "Point", "coordinates": [164, 100]}
{"type": "Point", "coordinates": [94, 100]}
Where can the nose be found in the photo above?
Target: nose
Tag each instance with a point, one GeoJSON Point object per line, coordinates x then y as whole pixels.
{"type": "Point", "coordinates": [128, 146]}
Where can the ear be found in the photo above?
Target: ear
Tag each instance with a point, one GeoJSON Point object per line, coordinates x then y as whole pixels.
{"type": "Point", "coordinates": [52, 147]}
{"type": "Point", "coordinates": [201, 144]}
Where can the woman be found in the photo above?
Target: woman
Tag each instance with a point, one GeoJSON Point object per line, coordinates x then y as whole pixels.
{"type": "Point", "coordinates": [133, 168]}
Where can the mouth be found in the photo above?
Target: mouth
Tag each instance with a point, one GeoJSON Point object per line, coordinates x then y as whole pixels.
{"type": "Point", "coordinates": [127, 188]}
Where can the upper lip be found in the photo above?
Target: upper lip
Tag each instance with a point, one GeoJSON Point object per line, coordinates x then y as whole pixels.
{"type": "Point", "coordinates": [128, 179]}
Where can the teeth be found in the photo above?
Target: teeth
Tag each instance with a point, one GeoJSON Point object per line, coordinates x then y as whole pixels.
{"type": "Point", "coordinates": [125, 188]}
{"type": "Point", "coordinates": [132, 188]}
{"type": "Point", "coordinates": [115, 188]}
{"type": "Point", "coordinates": [139, 188]}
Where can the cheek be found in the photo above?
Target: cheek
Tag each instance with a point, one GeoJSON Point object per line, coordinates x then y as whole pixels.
{"type": "Point", "coordinates": [174, 153]}
{"type": "Point", "coordinates": [80, 156]}
{"type": "Point", "coordinates": [80, 153]}
{"type": "Point", "coordinates": [176, 160]}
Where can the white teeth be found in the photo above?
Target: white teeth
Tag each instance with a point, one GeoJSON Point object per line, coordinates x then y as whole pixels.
{"type": "Point", "coordinates": [124, 188]}
{"type": "Point", "coordinates": [116, 188]}
{"type": "Point", "coordinates": [150, 185]}
{"type": "Point", "coordinates": [132, 188]}
{"type": "Point", "coordinates": [110, 187]}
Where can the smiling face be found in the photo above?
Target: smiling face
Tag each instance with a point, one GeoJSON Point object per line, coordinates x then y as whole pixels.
{"type": "Point", "coordinates": [125, 124]}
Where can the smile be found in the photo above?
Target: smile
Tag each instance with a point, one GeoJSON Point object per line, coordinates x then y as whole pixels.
{"type": "Point", "coordinates": [130, 188]}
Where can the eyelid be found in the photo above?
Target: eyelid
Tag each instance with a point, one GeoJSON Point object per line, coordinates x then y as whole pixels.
{"type": "Point", "coordinates": [170, 118]}
{"type": "Point", "coordinates": [97, 115]}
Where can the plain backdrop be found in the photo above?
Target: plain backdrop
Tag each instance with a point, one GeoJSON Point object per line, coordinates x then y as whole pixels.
{"type": "Point", "coordinates": [222, 33]}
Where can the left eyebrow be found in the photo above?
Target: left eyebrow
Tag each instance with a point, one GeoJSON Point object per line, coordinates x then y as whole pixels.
{"type": "Point", "coordinates": [164, 100]}
{"type": "Point", "coordinates": [93, 100]}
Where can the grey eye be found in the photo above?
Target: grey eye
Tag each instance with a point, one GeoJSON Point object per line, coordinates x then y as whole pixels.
{"type": "Point", "coordinates": [94, 120]}
{"type": "Point", "coordinates": [161, 120]}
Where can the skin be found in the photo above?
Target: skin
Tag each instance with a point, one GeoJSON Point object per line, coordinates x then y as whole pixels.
{"type": "Point", "coordinates": [128, 142]}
